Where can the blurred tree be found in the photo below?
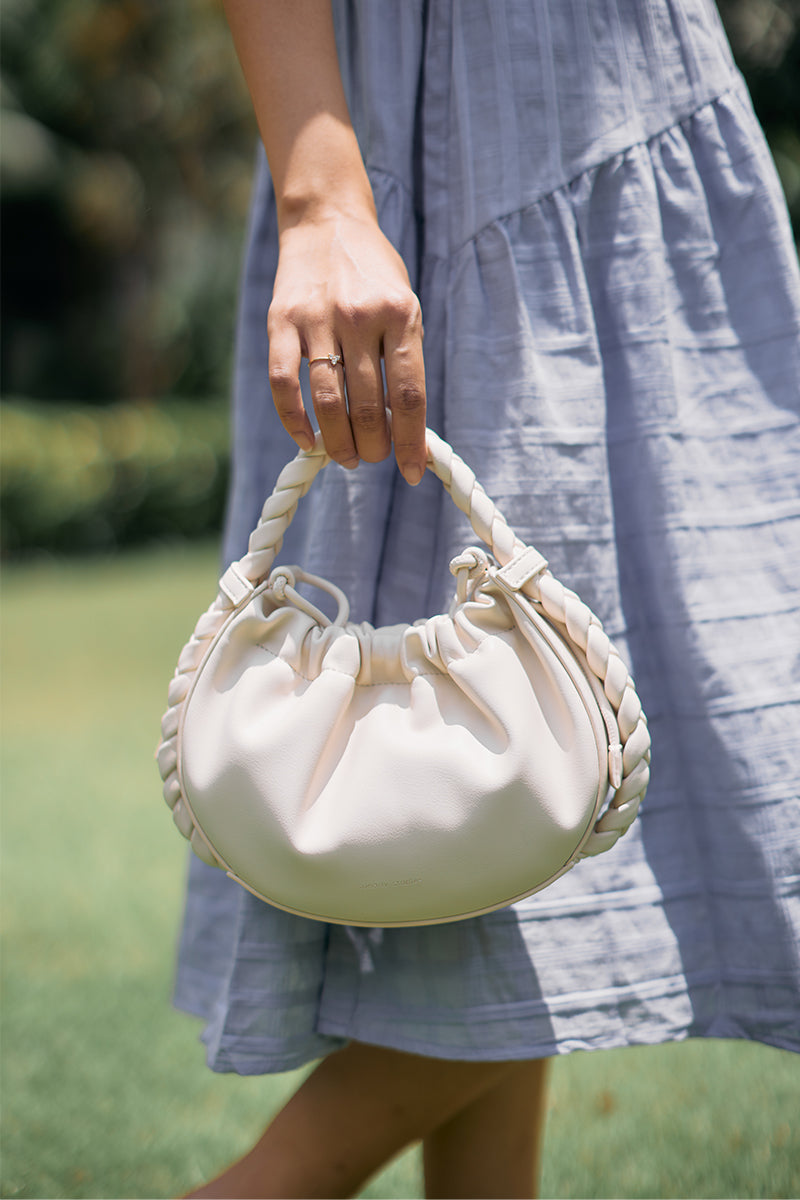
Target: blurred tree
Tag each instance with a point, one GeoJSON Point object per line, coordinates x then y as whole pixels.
{"type": "Point", "coordinates": [126, 163]}
{"type": "Point", "coordinates": [127, 153]}
{"type": "Point", "coordinates": [765, 38]}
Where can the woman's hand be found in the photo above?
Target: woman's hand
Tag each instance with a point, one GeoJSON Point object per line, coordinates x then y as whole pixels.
{"type": "Point", "coordinates": [342, 289]}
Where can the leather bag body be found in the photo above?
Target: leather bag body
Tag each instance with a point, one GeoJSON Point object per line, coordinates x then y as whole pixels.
{"type": "Point", "coordinates": [410, 774]}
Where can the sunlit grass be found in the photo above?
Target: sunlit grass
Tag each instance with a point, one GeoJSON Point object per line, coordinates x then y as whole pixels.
{"type": "Point", "coordinates": [105, 1091]}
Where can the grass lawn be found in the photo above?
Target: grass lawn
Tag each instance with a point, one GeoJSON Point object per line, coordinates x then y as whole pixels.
{"type": "Point", "coordinates": [105, 1091]}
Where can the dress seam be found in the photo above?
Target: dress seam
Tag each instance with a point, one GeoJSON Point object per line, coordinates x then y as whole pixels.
{"type": "Point", "coordinates": [567, 184]}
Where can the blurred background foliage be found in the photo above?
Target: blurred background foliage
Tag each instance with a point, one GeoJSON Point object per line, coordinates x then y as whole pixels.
{"type": "Point", "coordinates": [81, 478]}
{"type": "Point", "coordinates": [126, 158]}
{"type": "Point", "coordinates": [127, 149]}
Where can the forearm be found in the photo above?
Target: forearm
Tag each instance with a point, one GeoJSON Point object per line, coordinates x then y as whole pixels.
{"type": "Point", "coordinates": [287, 50]}
{"type": "Point", "coordinates": [341, 296]}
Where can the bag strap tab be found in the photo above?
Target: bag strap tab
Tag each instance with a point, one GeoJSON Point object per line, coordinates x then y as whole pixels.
{"type": "Point", "coordinates": [521, 569]}
{"type": "Point", "coordinates": [235, 586]}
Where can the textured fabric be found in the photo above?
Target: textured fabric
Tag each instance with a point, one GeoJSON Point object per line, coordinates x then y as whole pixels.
{"type": "Point", "coordinates": [612, 314]}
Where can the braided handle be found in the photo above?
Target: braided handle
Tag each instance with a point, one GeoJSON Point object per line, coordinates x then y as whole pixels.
{"type": "Point", "coordinates": [298, 475]}
{"type": "Point", "coordinates": [629, 762]}
{"type": "Point", "coordinates": [631, 776]}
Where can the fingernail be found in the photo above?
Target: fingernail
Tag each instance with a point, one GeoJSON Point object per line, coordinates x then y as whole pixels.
{"type": "Point", "coordinates": [412, 475]}
{"type": "Point", "coordinates": [304, 441]}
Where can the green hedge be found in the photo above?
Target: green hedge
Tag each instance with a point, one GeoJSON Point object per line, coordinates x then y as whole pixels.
{"type": "Point", "coordinates": [82, 479]}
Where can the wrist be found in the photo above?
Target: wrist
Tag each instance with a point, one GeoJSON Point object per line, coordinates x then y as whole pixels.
{"type": "Point", "coordinates": [311, 207]}
{"type": "Point", "coordinates": [323, 177]}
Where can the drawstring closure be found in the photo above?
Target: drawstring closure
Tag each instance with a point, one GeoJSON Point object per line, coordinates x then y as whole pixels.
{"type": "Point", "coordinates": [282, 583]}
{"type": "Point", "coordinates": [469, 568]}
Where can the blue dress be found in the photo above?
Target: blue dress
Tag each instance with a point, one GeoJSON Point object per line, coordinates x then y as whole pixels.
{"type": "Point", "coordinates": [594, 226]}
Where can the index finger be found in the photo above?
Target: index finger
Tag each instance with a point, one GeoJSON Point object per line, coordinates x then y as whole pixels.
{"type": "Point", "coordinates": [405, 388]}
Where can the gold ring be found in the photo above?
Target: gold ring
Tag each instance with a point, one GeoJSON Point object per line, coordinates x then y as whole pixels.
{"type": "Point", "coordinates": [333, 359]}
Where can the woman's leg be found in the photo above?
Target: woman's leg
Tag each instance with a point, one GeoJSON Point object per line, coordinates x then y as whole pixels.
{"type": "Point", "coordinates": [363, 1105]}
{"type": "Point", "coordinates": [492, 1146]}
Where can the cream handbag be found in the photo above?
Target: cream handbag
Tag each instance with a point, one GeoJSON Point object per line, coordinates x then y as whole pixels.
{"type": "Point", "coordinates": [405, 775]}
